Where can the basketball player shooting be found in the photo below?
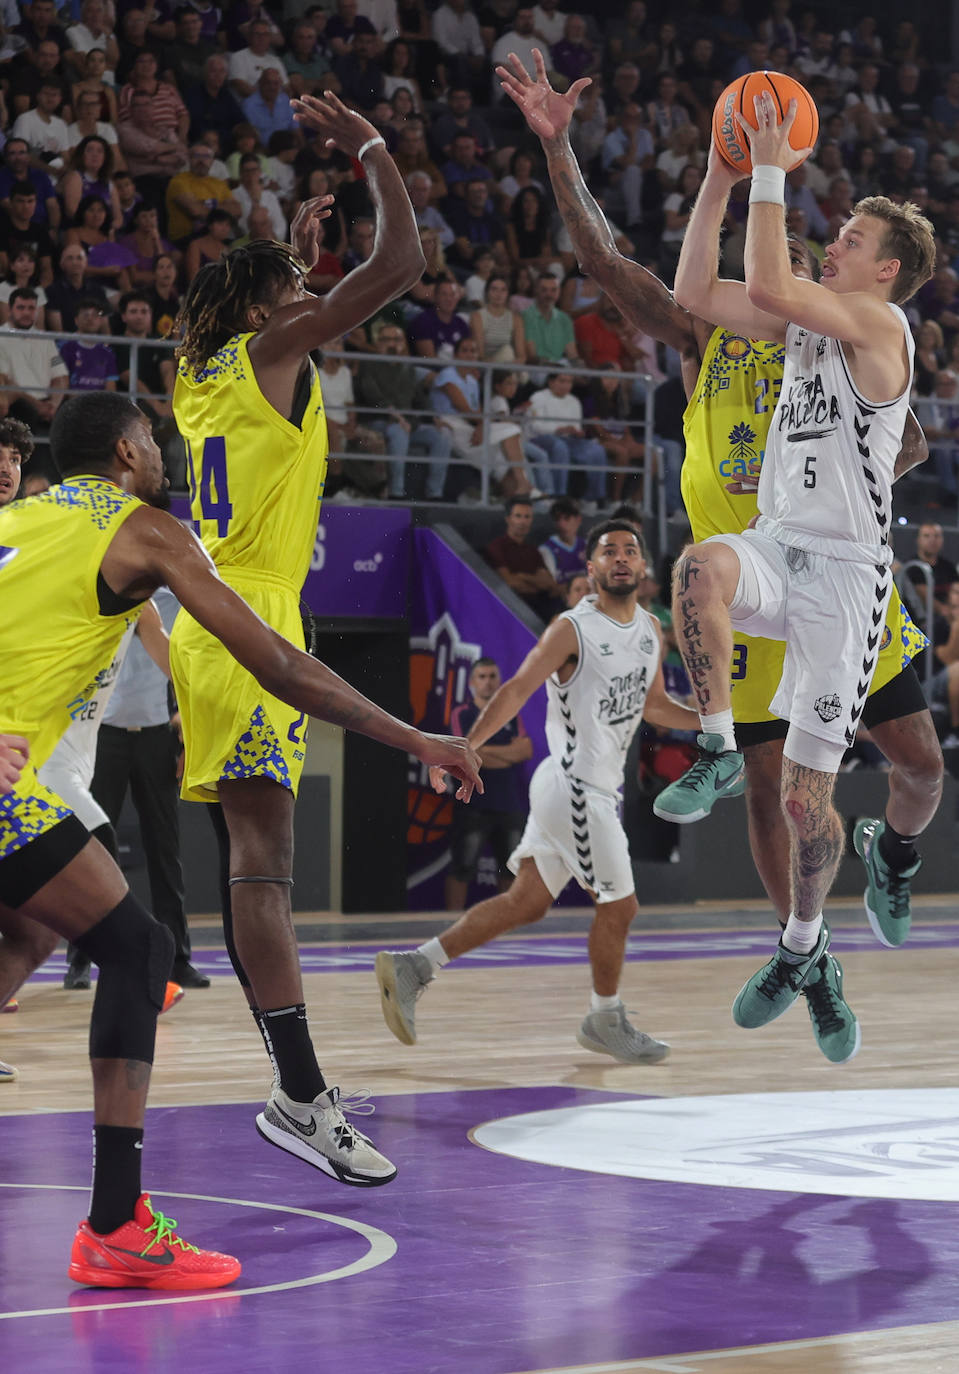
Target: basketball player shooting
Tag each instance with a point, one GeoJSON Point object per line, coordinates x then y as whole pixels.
{"type": "Point", "coordinates": [815, 570]}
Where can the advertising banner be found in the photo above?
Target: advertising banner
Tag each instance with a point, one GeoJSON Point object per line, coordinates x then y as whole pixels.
{"type": "Point", "coordinates": [454, 620]}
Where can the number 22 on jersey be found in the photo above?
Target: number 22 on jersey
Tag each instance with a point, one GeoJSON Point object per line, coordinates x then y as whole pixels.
{"type": "Point", "coordinates": [212, 484]}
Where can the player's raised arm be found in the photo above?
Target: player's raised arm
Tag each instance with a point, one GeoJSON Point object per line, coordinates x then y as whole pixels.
{"type": "Point", "coordinates": [396, 261]}
{"type": "Point", "coordinates": [642, 299]}
{"type": "Point", "coordinates": [152, 549]}
{"type": "Point", "coordinates": [698, 285]}
{"type": "Point", "coordinates": [856, 317]}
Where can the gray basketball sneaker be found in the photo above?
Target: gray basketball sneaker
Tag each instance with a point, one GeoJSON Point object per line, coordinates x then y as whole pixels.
{"type": "Point", "coordinates": [402, 978]}
{"type": "Point", "coordinates": [320, 1134]}
{"type": "Point", "coordinates": [609, 1032]}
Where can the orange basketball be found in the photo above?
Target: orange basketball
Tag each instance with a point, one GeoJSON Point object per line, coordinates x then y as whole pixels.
{"type": "Point", "coordinates": [739, 96]}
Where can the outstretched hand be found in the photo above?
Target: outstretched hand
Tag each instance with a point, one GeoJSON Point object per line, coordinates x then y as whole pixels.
{"type": "Point", "coordinates": [305, 232]}
{"type": "Point", "coordinates": [546, 111]}
{"type": "Point", "coordinates": [326, 114]}
{"type": "Point", "coordinates": [450, 754]}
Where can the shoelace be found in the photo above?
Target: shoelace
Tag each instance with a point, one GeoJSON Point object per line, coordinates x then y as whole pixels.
{"type": "Point", "coordinates": [777, 974]}
{"type": "Point", "coordinates": [163, 1230]}
{"type": "Point", "coordinates": [824, 1003]}
{"type": "Point", "coordinates": [357, 1103]}
{"type": "Point", "coordinates": [899, 895]}
{"type": "Point", "coordinates": [699, 771]}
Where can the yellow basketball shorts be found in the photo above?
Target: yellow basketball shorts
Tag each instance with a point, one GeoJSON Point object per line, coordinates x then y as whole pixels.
{"type": "Point", "coordinates": [232, 728]}
{"type": "Point", "coordinates": [28, 812]}
{"type": "Point", "coordinates": [758, 665]}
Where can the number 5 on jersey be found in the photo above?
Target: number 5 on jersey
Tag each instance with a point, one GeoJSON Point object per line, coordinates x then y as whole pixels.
{"type": "Point", "coordinates": [213, 489]}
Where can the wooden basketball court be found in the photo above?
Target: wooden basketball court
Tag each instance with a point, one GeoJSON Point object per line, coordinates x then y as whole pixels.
{"type": "Point", "coordinates": [744, 1208]}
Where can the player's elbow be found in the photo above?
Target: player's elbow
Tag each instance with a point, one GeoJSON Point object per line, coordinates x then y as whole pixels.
{"type": "Point", "coordinates": [691, 295]}
{"type": "Point", "coordinates": [767, 298]}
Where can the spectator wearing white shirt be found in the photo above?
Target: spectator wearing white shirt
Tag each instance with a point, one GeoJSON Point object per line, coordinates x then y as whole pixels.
{"type": "Point", "coordinates": [383, 15]}
{"type": "Point", "coordinates": [251, 191]}
{"type": "Point", "coordinates": [549, 23]}
{"type": "Point", "coordinates": [93, 31]}
{"type": "Point", "coordinates": [555, 423]}
{"type": "Point", "coordinates": [420, 187]}
{"type": "Point", "coordinates": [628, 150]}
{"type": "Point", "coordinates": [31, 369]}
{"type": "Point", "coordinates": [869, 115]}
{"type": "Point", "coordinates": [248, 65]}
{"type": "Point", "coordinates": [42, 128]}
{"type": "Point", "coordinates": [457, 35]}
{"type": "Point", "coordinates": [521, 40]}
{"type": "Point", "coordinates": [86, 124]}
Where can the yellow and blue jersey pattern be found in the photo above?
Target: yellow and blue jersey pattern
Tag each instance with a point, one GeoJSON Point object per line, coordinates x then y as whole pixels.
{"type": "Point", "coordinates": [256, 482]}
{"type": "Point", "coordinates": [54, 641]}
{"type": "Point", "coordinates": [726, 425]}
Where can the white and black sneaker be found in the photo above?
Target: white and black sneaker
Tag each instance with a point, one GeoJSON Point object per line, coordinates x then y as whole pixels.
{"type": "Point", "coordinates": [320, 1134]}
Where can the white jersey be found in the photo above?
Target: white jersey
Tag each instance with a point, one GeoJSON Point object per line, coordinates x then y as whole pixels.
{"type": "Point", "coordinates": [76, 751]}
{"type": "Point", "coordinates": [592, 717]}
{"type": "Point", "coordinates": [828, 468]}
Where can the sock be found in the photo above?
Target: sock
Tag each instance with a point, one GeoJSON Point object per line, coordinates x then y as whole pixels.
{"type": "Point", "coordinates": [800, 937]}
{"type": "Point", "coordinates": [599, 1003]}
{"type": "Point", "coordinates": [897, 852]}
{"type": "Point", "coordinates": [117, 1151]}
{"type": "Point", "coordinates": [287, 1038]}
{"type": "Point", "coordinates": [435, 952]}
{"type": "Point", "coordinates": [720, 724]}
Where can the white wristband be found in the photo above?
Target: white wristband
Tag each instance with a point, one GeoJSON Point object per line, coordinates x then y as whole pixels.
{"type": "Point", "coordinates": [769, 185]}
{"type": "Point", "coordinates": [370, 143]}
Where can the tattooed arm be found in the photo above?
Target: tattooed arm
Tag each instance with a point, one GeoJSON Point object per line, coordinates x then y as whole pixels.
{"type": "Point", "coordinates": [642, 299]}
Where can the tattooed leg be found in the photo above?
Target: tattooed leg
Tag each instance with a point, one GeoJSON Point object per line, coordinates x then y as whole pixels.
{"type": "Point", "coordinates": [704, 582]}
{"type": "Point", "coordinates": [816, 836]}
{"type": "Point", "coordinates": [915, 782]}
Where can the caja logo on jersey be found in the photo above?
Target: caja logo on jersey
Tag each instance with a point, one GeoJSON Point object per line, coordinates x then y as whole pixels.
{"type": "Point", "coordinates": [744, 461]}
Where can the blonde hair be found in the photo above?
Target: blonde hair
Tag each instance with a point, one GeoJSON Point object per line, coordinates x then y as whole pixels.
{"type": "Point", "coordinates": [908, 236]}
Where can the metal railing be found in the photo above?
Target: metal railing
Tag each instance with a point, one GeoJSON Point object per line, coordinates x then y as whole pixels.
{"type": "Point", "coordinates": [642, 428]}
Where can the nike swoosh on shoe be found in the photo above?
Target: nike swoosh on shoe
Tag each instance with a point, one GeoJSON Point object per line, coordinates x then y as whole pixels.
{"type": "Point", "coordinates": [297, 1125]}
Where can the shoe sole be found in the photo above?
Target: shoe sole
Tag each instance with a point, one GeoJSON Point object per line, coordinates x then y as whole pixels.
{"type": "Point", "coordinates": [852, 1053]}
{"type": "Point", "coordinates": [9, 1074]}
{"type": "Point", "coordinates": [736, 790]}
{"type": "Point", "coordinates": [871, 917]}
{"type": "Point", "coordinates": [385, 968]}
{"type": "Point", "coordinates": [654, 1057]}
{"type": "Point", "coordinates": [98, 1278]}
{"type": "Point", "coordinates": [275, 1135]}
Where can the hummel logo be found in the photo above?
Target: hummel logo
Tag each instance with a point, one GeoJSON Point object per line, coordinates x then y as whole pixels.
{"type": "Point", "coordinates": [605, 650]}
{"type": "Point", "coordinates": [299, 1126]}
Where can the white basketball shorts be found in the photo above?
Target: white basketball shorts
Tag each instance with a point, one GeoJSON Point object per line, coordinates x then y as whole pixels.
{"type": "Point", "coordinates": [574, 831]}
{"type": "Point", "coordinates": [830, 614]}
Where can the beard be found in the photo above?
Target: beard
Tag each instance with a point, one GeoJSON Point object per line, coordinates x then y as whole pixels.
{"type": "Point", "coordinates": [619, 588]}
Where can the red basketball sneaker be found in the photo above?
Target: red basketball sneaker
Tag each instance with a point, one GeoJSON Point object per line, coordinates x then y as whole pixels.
{"type": "Point", "coordinates": [146, 1253]}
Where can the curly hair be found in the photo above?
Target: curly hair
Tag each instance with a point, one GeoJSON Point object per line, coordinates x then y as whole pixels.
{"type": "Point", "coordinates": [218, 299]}
{"type": "Point", "coordinates": [16, 435]}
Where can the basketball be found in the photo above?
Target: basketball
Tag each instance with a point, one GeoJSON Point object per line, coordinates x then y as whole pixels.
{"type": "Point", "coordinates": [738, 98]}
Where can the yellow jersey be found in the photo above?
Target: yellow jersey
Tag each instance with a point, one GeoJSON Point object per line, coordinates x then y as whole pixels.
{"type": "Point", "coordinates": [54, 638]}
{"type": "Point", "coordinates": [725, 426]}
{"type": "Point", "coordinates": [256, 478]}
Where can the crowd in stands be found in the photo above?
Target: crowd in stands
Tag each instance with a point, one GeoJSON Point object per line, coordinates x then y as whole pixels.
{"type": "Point", "coordinates": [143, 140]}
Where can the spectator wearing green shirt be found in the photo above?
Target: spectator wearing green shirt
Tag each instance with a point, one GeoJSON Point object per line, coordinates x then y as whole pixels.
{"type": "Point", "coordinates": [549, 332]}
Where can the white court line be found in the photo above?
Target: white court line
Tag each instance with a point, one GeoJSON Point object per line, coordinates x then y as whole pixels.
{"type": "Point", "coordinates": [382, 1248]}
{"type": "Point", "coordinates": [692, 1362]}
